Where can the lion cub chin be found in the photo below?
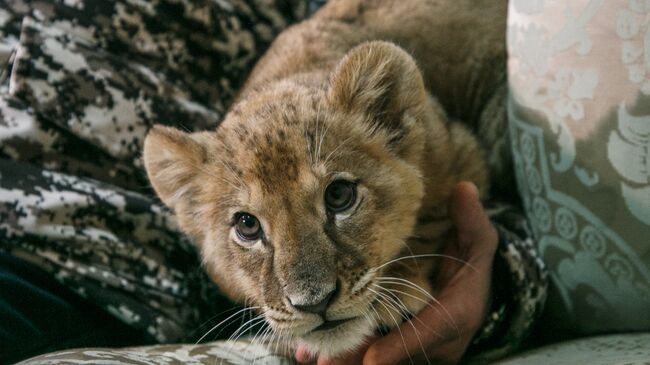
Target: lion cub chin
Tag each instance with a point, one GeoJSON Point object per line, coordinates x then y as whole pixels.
{"type": "Point", "coordinates": [321, 197]}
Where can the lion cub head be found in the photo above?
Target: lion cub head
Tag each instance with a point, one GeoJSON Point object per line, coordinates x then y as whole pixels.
{"type": "Point", "coordinates": [304, 192]}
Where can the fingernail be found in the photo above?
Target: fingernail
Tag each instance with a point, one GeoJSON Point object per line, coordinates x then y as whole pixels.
{"type": "Point", "coordinates": [471, 188]}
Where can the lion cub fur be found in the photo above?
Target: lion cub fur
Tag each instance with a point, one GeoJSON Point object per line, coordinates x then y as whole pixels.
{"type": "Point", "coordinates": [363, 90]}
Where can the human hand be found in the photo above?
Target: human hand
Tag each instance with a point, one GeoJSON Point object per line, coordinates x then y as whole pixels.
{"type": "Point", "coordinates": [464, 291]}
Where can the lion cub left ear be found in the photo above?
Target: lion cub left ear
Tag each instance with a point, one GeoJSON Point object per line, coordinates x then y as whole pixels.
{"type": "Point", "coordinates": [381, 80]}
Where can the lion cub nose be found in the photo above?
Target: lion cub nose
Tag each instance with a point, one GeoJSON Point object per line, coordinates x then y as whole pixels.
{"type": "Point", "coordinates": [316, 306]}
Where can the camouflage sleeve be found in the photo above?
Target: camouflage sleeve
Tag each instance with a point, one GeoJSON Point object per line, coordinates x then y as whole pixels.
{"type": "Point", "coordinates": [88, 78]}
{"type": "Point", "coordinates": [115, 248]}
{"type": "Point", "coordinates": [81, 82]}
{"type": "Point", "coordinates": [519, 288]}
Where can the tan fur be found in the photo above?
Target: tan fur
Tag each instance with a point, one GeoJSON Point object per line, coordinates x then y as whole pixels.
{"type": "Point", "coordinates": [333, 98]}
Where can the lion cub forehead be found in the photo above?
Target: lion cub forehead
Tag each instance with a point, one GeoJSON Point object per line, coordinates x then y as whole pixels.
{"type": "Point", "coordinates": [272, 195]}
{"type": "Point", "coordinates": [274, 159]}
{"type": "Point", "coordinates": [306, 183]}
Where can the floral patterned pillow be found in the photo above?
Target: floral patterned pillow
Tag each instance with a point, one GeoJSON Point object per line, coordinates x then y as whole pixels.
{"type": "Point", "coordinates": [579, 113]}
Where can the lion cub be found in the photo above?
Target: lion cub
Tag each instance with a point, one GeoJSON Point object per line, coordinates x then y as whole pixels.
{"type": "Point", "coordinates": [335, 164]}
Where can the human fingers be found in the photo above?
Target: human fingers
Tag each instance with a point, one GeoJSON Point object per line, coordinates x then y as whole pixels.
{"type": "Point", "coordinates": [443, 329]}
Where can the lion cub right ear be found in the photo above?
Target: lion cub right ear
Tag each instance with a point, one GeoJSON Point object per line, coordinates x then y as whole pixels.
{"type": "Point", "coordinates": [172, 159]}
{"type": "Point", "coordinates": [382, 81]}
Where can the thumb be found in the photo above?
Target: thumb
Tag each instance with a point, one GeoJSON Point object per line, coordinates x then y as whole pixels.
{"type": "Point", "coordinates": [470, 220]}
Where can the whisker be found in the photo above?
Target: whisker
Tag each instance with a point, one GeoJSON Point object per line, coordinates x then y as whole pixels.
{"type": "Point", "coordinates": [395, 297]}
{"type": "Point", "coordinates": [379, 300]}
{"type": "Point", "coordinates": [222, 322]}
{"type": "Point", "coordinates": [322, 138]}
{"type": "Point", "coordinates": [278, 338]}
{"type": "Point", "coordinates": [324, 130]}
{"type": "Point", "coordinates": [367, 314]}
{"type": "Point", "coordinates": [316, 152]}
{"type": "Point", "coordinates": [407, 283]}
{"type": "Point", "coordinates": [427, 255]}
{"type": "Point", "coordinates": [242, 329]}
{"type": "Point", "coordinates": [266, 330]}
{"type": "Point", "coordinates": [213, 317]}
{"type": "Point", "coordinates": [327, 159]}
{"type": "Point", "coordinates": [405, 313]}
{"type": "Point", "coordinates": [309, 146]}
{"type": "Point", "coordinates": [263, 329]}
{"type": "Point", "coordinates": [408, 295]}
{"type": "Point", "coordinates": [417, 262]}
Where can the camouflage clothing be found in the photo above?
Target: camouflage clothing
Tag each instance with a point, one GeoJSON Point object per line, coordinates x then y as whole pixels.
{"type": "Point", "coordinates": [81, 83]}
{"type": "Point", "coordinates": [83, 80]}
{"type": "Point", "coordinates": [519, 287]}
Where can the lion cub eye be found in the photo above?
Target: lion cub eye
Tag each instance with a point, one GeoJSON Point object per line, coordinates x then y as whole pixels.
{"type": "Point", "coordinates": [248, 228]}
{"type": "Point", "coordinates": [340, 195]}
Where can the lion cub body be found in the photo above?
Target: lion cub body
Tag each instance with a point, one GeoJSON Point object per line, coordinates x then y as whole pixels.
{"type": "Point", "coordinates": [333, 100]}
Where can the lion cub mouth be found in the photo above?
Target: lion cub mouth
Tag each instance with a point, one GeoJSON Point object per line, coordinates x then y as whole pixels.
{"type": "Point", "coordinates": [328, 325]}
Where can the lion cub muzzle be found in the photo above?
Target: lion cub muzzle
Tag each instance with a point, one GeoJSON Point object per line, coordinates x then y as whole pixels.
{"type": "Point", "coordinates": [309, 275]}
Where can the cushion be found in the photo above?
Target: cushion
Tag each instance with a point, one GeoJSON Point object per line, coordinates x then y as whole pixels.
{"type": "Point", "coordinates": [222, 353]}
{"type": "Point", "coordinates": [628, 349]}
{"type": "Point", "coordinates": [579, 115]}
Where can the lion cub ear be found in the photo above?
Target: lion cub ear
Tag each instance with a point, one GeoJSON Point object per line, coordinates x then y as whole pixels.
{"type": "Point", "coordinates": [172, 159]}
{"type": "Point", "coordinates": [381, 80]}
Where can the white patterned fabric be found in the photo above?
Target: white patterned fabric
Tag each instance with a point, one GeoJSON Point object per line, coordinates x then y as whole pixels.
{"type": "Point", "coordinates": [628, 349]}
{"type": "Point", "coordinates": [216, 353]}
{"type": "Point", "coordinates": [579, 74]}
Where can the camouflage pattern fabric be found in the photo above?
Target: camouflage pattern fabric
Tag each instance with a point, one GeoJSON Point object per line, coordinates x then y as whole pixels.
{"type": "Point", "coordinates": [81, 83]}
{"type": "Point", "coordinates": [520, 287]}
